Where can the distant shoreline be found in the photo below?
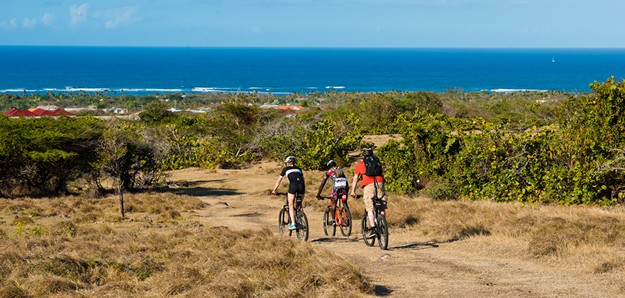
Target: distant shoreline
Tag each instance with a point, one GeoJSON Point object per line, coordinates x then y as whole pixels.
{"type": "Point", "coordinates": [209, 91]}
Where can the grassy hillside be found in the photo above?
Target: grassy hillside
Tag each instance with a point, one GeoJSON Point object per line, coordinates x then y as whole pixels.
{"type": "Point", "coordinates": [69, 247]}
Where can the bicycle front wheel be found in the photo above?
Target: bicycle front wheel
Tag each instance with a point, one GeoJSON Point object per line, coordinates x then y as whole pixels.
{"type": "Point", "coordinates": [302, 226]}
{"type": "Point", "coordinates": [382, 230]}
{"type": "Point", "coordinates": [327, 222]}
{"type": "Point", "coordinates": [346, 221]}
{"type": "Point", "coordinates": [365, 231]}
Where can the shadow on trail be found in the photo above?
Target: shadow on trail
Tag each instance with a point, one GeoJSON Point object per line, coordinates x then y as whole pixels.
{"type": "Point", "coordinates": [251, 214]}
{"type": "Point", "coordinates": [463, 234]}
{"type": "Point", "coordinates": [334, 240]}
{"type": "Point", "coordinates": [416, 246]}
{"type": "Point", "coordinates": [379, 290]}
{"type": "Point", "coordinates": [185, 183]}
{"type": "Point", "coordinates": [199, 191]}
{"type": "Point", "coordinates": [206, 192]}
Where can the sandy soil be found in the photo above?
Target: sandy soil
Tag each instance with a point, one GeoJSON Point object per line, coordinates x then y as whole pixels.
{"type": "Point", "coordinates": [411, 267]}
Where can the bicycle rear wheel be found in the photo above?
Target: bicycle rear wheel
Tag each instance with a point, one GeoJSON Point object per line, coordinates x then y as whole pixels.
{"type": "Point", "coordinates": [346, 221]}
{"type": "Point", "coordinates": [283, 221]}
{"type": "Point", "coordinates": [327, 222]}
{"type": "Point", "coordinates": [382, 233]}
{"type": "Point", "coordinates": [302, 226]}
{"type": "Point", "coordinates": [365, 231]}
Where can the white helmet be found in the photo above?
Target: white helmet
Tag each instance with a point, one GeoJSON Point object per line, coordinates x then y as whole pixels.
{"type": "Point", "coordinates": [331, 163]}
{"type": "Point", "coordinates": [290, 159]}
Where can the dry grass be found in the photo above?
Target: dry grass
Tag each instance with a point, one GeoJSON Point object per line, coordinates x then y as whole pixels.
{"type": "Point", "coordinates": [590, 240]}
{"type": "Point", "coordinates": [77, 247]}
{"type": "Point", "coordinates": [587, 239]}
{"type": "Point", "coordinates": [81, 248]}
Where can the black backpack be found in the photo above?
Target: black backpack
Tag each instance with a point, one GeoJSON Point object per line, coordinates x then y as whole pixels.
{"type": "Point", "coordinates": [373, 165]}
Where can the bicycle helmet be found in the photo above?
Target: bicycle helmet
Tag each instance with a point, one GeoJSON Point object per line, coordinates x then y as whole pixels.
{"type": "Point", "coordinates": [367, 152]}
{"type": "Point", "coordinates": [331, 163]}
{"type": "Point", "coordinates": [290, 159]}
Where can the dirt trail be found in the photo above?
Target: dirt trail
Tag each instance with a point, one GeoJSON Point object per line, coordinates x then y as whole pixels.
{"type": "Point", "coordinates": [410, 268]}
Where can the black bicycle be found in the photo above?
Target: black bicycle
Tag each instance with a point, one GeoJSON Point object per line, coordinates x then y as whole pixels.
{"type": "Point", "coordinates": [341, 218]}
{"type": "Point", "coordinates": [301, 221]}
{"type": "Point", "coordinates": [381, 228]}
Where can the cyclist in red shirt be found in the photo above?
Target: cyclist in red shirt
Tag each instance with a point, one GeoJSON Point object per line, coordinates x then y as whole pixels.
{"type": "Point", "coordinates": [370, 185]}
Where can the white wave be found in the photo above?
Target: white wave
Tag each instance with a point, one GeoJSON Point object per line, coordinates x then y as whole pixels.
{"type": "Point", "coordinates": [84, 89]}
{"type": "Point", "coordinates": [205, 89]}
{"type": "Point", "coordinates": [217, 90]}
{"type": "Point", "coordinates": [260, 90]}
{"type": "Point", "coordinates": [335, 87]}
{"type": "Point", "coordinates": [17, 90]}
{"type": "Point", "coordinates": [504, 90]}
{"type": "Point", "coordinates": [162, 90]}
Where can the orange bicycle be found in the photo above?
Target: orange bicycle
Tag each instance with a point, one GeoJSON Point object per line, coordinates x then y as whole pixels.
{"type": "Point", "coordinates": [342, 217]}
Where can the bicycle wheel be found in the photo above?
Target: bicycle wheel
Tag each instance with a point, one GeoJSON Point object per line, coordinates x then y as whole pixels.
{"type": "Point", "coordinates": [283, 220]}
{"type": "Point", "coordinates": [327, 222]}
{"type": "Point", "coordinates": [382, 231]}
{"type": "Point", "coordinates": [346, 221]}
{"type": "Point", "coordinates": [365, 231]}
{"type": "Point", "coordinates": [302, 226]}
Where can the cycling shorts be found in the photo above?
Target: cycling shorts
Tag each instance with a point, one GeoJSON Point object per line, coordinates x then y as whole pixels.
{"type": "Point", "coordinates": [297, 188]}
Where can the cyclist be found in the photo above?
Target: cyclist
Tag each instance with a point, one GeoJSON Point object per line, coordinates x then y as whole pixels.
{"type": "Point", "coordinates": [296, 185]}
{"type": "Point", "coordinates": [371, 186]}
{"type": "Point", "coordinates": [339, 184]}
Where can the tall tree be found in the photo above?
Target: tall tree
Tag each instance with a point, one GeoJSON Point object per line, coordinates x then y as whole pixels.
{"type": "Point", "coordinates": [123, 155]}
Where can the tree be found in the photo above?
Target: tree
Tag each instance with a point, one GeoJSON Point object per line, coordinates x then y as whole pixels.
{"type": "Point", "coordinates": [155, 112]}
{"type": "Point", "coordinates": [123, 155]}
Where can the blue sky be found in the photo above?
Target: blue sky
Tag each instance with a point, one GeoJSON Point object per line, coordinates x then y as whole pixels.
{"type": "Point", "coordinates": [315, 23]}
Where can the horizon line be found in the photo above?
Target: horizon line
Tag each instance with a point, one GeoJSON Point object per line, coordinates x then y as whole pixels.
{"type": "Point", "coordinates": [314, 47]}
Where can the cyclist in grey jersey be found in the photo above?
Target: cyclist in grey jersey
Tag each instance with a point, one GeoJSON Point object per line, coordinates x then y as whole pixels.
{"type": "Point", "coordinates": [340, 185]}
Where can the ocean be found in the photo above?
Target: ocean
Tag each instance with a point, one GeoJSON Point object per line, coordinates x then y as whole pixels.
{"type": "Point", "coordinates": [280, 71]}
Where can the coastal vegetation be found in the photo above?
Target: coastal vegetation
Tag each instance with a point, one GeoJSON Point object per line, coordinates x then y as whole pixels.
{"type": "Point", "coordinates": [544, 147]}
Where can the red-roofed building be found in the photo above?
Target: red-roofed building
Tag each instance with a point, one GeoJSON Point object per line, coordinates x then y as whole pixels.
{"type": "Point", "coordinates": [61, 112]}
{"type": "Point", "coordinates": [41, 112]}
{"type": "Point", "coordinates": [18, 113]}
{"type": "Point", "coordinates": [38, 112]}
{"type": "Point", "coordinates": [290, 108]}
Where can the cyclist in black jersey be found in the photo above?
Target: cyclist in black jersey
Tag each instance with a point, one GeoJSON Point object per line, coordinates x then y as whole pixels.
{"type": "Point", "coordinates": [296, 185]}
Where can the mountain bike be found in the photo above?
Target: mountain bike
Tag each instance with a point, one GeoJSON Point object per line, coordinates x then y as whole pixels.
{"type": "Point", "coordinates": [342, 217]}
{"type": "Point", "coordinates": [381, 228]}
{"type": "Point", "coordinates": [301, 221]}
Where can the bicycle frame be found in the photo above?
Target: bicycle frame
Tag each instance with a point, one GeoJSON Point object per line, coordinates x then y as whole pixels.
{"type": "Point", "coordinates": [381, 227]}
{"type": "Point", "coordinates": [301, 221]}
{"type": "Point", "coordinates": [337, 215]}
